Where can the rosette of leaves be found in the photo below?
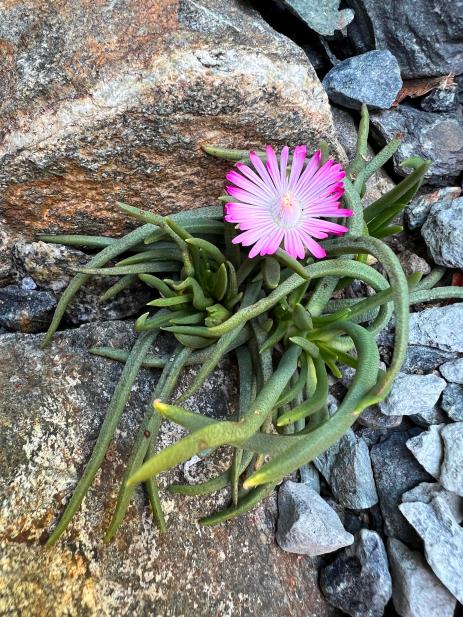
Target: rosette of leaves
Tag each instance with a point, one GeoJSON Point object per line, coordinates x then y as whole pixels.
{"type": "Point", "coordinates": [277, 315]}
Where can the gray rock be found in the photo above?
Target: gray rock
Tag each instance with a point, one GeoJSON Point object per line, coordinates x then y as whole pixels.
{"type": "Point", "coordinates": [451, 475]}
{"type": "Point", "coordinates": [52, 403]}
{"type": "Point", "coordinates": [412, 394]}
{"type": "Point", "coordinates": [307, 525]}
{"type": "Point", "coordinates": [416, 592]}
{"type": "Point", "coordinates": [309, 475]}
{"type": "Point", "coordinates": [421, 359]}
{"type": "Point", "coordinates": [99, 106]}
{"type": "Point", "coordinates": [416, 213]}
{"type": "Point", "coordinates": [346, 467]}
{"type": "Point", "coordinates": [426, 42]}
{"type": "Point", "coordinates": [51, 266]}
{"type": "Point", "coordinates": [372, 417]}
{"type": "Point", "coordinates": [28, 283]}
{"type": "Point", "coordinates": [324, 19]}
{"type": "Point", "coordinates": [452, 371]}
{"type": "Point", "coordinates": [426, 491]}
{"type": "Point", "coordinates": [412, 263]}
{"type": "Point", "coordinates": [396, 471]}
{"type": "Point", "coordinates": [6, 258]}
{"type": "Point", "coordinates": [438, 327]}
{"type": "Point", "coordinates": [428, 449]}
{"type": "Point", "coordinates": [443, 233]}
{"type": "Point", "coordinates": [436, 137]}
{"type": "Point", "coordinates": [440, 99]}
{"type": "Point", "coordinates": [433, 415]}
{"type": "Point", "coordinates": [372, 78]}
{"type": "Point", "coordinates": [452, 401]}
{"type": "Point", "coordinates": [358, 581]}
{"type": "Point", "coordinates": [26, 311]}
{"type": "Point", "coordinates": [443, 540]}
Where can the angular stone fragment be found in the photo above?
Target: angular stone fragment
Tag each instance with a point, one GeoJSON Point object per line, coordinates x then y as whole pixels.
{"type": "Point", "coordinates": [438, 327]}
{"type": "Point", "coordinates": [443, 540]}
{"type": "Point", "coordinates": [452, 371]}
{"type": "Point", "coordinates": [428, 449]}
{"type": "Point", "coordinates": [372, 78]}
{"type": "Point", "coordinates": [396, 471]}
{"type": "Point", "coordinates": [416, 592]}
{"type": "Point", "coordinates": [443, 233]}
{"type": "Point", "coordinates": [307, 525]}
{"type": "Point", "coordinates": [452, 401]}
{"type": "Point", "coordinates": [426, 491]}
{"type": "Point", "coordinates": [421, 359]}
{"type": "Point", "coordinates": [358, 581]}
{"type": "Point", "coordinates": [451, 475]}
{"type": "Point", "coordinates": [417, 211]}
{"type": "Point", "coordinates": [25, 310]}
{"type": "Point", "coordinates": [440, 99]}
{"type": "Point", "coordinates": [346, 467]}
{"type": "Point", "coordinates": [325, 18]}
{"type": "Point", "coordinates": [412, 394]}
{"type": "Point", "coordinates": [435, 137]}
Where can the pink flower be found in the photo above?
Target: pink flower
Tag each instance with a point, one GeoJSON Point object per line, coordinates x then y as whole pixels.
{"type": "Point", "coordinates": [272, 207]}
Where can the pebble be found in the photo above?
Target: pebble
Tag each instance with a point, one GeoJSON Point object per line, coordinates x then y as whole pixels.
{"type": "Point", "coordinates": [428, 449]}
{"type": "Point", "coordinates": [358, 581]}
{"type": "Point", "coordinates": [372, 78]}
{"type": "Point", "coordinates": [443, 540]}
{"type": "Point", "coordinates": [307, 525]}
{"type": "Point", "coordinates": [416, 591]}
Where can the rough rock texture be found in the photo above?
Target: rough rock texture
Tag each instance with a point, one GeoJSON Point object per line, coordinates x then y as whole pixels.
{"type": "Point", "coordinates": [372, 78]}
{"type": "Point", "coordinates": [438, 327]}
{"type": "Point", "coordinates": [51, 406]}
{"type": "Point", "coordinates": [443, 540]}
{"type": "Point", "coordinates": [452, 371]}
{"type": "Point", "coordinates": [426, 391]}
{"type": "Point", "coordinates": [358, 581]}
{"type": "Point", "coordinates": [325, 18]}
{"type": "Point", "coordinates": [452, 401]}
{"type": "Point", "coordinates": [426, 41]}
{"type": "Point", "coordinates": [416, 592]}
{"type": "Point", "coordinates": [396, 471]}
{"type": "Point", "coordinates": [451, 474]}
{"type": "Point", "coordinates": [443, 233]}
{"type": "Point", "coordinates": [440, 99]}
{"type": "Point", "coordinates": [51, 268]}
{"type": "Point", "coordinates": [307, 525]}
{"type": "Point", "coordinates": [426, 491]}
{"type": "Point", "coordinates": [417, 211]}
{"type": "Point", "coordinates": [112, 101]}
{"type": "Point", "coordinates": [374, 418]}
{"type": "Point", "coordinates": [25, 310]}
{"type": "Point", "coordinates": [421, 359]}
{"type": "Point", "coordinates": [346, 467]}
{"type": "Point", "coordinates": [428, 449]}
{"type": "Point", "coordinates": [438, 137]}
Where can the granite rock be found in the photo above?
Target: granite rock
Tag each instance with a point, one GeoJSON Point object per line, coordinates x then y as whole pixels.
{"type": "Point", "coordinates": [358, 581]}
{"type": "Point", "coordinates": [416, 592]}
{"type": "Point", "coordinates": [452, 371]}
{"type": "Point", "coordinates": [428, 449]}
{"type": "Point", "coordinates": [443, 233]}
{"type": "Point", "coordinates": [426, 491]}
{"type": "Point", "coordinates": [421, 359]}
{"type": "Point", "coordinates": [307, 525]}
{"type": "Point", "coordinates": [372, 78]}
{"type": "Point", "coordinates": [113, 102]}
{"type": "Point", "coordinates": [346, 467]}
{"type": "Point", "coordinates": [440, 99]}
{"type": "Point", "coordinates": [396, 471]}
{"type": "Point", "coordinates": [438, 327]}
{"type": "Point", "coordinates": [452, 401]}
{"type": "Point", "coordinates": [436, 137]}
{"type": "Point", "coordinates": [451, 475]}
{"type": "Point", "coordinates": [412, 394]}
{"type": "Point", "coordinates": [24, 310]}
{"type": "Point", "coordinates": [443, 540]}
{"type": "Point", "coordinates": [416, 213]}
{"type": "Point", "coordinates": [52, 403]}
{"type": "Point", "coordinates": [426, 42]}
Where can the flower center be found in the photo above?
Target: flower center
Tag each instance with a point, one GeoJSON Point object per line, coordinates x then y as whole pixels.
{"type": "Point", "coordinates": [288, 210]}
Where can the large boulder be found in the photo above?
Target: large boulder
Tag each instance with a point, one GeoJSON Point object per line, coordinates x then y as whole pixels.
{"type": "Point", "coordinates": [51, 406]}
{"type": "Point", "coordinates": [106, 102]}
